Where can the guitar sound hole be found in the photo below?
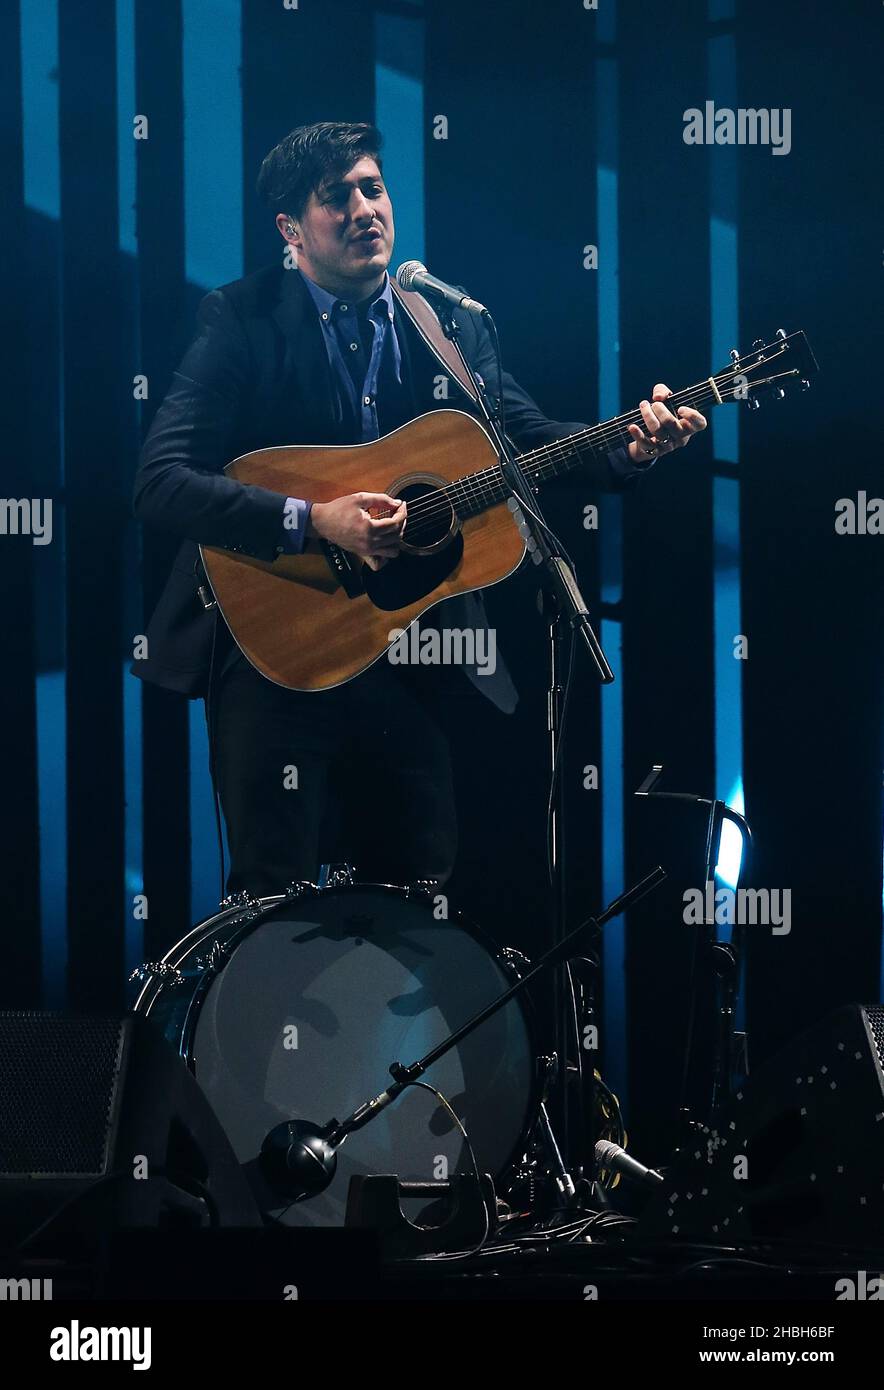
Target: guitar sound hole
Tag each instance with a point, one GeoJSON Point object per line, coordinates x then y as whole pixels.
{"type": "Point", "coordinates": [430, 515]}
{"type": "Point", "coordinates": [432, 547]}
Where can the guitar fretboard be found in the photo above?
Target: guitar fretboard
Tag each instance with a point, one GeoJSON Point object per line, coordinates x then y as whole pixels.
{"type": "Point", "coordinates": [477, 491]}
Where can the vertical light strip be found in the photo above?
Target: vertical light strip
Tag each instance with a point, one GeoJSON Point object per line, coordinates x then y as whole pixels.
{"type": "Point", "coordinates": [213, 252]}
{"type": "Point", "coordinates": [132, 688]}
{"type": "Point", "coordinates": [399, 114]}
{"type": "Point", "coordinates": [134, 828]}
{"type": "Point", "coordinates": [52, 792]}
{"type": "Point", "coordinates": [125, 21]}
{"type": "Point", "coordinates": [607, 97]}
{"type": "Point", "coordinates": [213, 171]}
{"type": "Point", "coordinates": [724, 300]}
{"type": "Point", "coordinates": [42, 192]}
{"type": "Point", "coordinates": [39, 61]}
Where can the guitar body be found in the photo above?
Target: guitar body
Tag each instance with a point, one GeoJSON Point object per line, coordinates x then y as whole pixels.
{"type": "Point", "coordinates": [313, 621]}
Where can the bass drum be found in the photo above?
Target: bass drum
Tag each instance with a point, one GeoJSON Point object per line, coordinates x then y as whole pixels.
{"type": "Point", "coordinates": [294, 1007]}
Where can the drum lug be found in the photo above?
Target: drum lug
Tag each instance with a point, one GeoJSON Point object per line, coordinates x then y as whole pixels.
{"type": "Point", "coordinates": [167, 974]}
{"type": "Point", "coordinates": [217, 955]}
{"type": "Point", "coordinates": [241, 899]}
{"type": "Point", "coordinates": [337, 875]}
{"type": "Point", "coordinates": [547, 1067]}
{"type": "Point", "coordinates": [298, 887]}
{"type": "Point", "coordinates": [244, 906]}
{"type": "Point", "coordinates": [424, 889]}
{"type": "Point", "coordinates": [517, 961]}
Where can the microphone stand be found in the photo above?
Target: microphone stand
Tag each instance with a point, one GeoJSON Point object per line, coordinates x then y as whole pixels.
{"type": "Point", "coordinates": [564, 602]}
{"type": "Point", "coordinates": [541, 541]}
{"type": "Point", "coordinates": [299, 1157]}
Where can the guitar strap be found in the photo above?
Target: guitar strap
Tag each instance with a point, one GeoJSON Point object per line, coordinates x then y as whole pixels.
{"type": "Point", "coordinates": [427, 324]}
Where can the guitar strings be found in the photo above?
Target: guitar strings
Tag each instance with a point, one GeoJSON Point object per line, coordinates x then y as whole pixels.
{"type": "Point", "coordinates": [488, 485]}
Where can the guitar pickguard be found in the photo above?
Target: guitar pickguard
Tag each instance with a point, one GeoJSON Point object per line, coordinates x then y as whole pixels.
{"type": "Point", "coordinates": [409, 578]}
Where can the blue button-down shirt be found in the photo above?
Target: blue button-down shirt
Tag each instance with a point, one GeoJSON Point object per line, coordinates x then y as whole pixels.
{"type": "Point", "coordinates": [360, 362]}
{"type": "Point", "coordinates": [359, 366]}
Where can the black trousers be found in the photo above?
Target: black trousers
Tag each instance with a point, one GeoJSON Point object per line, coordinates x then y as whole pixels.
{"type": "Point", "coordinates": [361, 773]}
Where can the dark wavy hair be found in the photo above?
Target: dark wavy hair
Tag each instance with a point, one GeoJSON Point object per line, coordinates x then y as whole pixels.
{"type": "Point", "coordinates": [310, 156]}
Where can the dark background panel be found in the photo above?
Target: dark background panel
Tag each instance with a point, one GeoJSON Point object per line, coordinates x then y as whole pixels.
{"type": "Point", "coordinates": [96, 504]}
{"type": "Point", "coordinates": [813, 599]}
{"type": "Point", "coordinates": [165, 318]}
{"type": "Point", "coordinates": [19, 884]}
{"type": "Point", "coordinates": [668, 685]}
{"type": "Point", "coordinates": [296, 69]}
{"type": "Point", "coordinates": [510, 205]}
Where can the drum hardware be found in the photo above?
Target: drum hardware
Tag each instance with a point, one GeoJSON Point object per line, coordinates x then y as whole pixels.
{"type": "Point", "coordinates": [554, 1173]}
{"type": "Point", "coordinates": [299, 1157]}
{"type": "Point", "coordinates": [516, 959]}
{"type": "Point", "coordinates": [559, 1173]}
{"type": "Point", "coordinates": [547, 1066]}
{"type": "Point", "coordinates": [214, 958]}
{"type": "Point", "coordinates": [374, 1202]}
{"type": "Point", "coordinates": [298, 888]}
{"type": "Point", "coordinates": [158, 970]}
{"type": "Point", "coordinates": [247, 908]}
{"type": "Point", "coordinates": [542, 1183]}
{"type": "Point", "coordinates": [240, 899]}
{"type": "Point", "coordinates": [427, 888]}
{"type": "Point", "coordinates": [341, 875]}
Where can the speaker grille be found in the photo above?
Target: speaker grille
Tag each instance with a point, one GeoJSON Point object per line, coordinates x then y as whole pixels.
{"type": "Point", "coordinates": [875, 1019]}
{"type": "Point", "coordinates": [57, 1080]}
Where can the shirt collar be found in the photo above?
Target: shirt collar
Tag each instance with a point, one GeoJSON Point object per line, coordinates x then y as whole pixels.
{"type": "Point", "coordinates": [327, 303]}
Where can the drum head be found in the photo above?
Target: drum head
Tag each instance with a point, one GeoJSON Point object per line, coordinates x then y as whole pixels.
{"type": "Point", "coordinates": [313, 1005]}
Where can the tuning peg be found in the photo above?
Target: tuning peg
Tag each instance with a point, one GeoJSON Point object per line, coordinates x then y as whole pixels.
{"type": "Point", "coordinates": [759, 343]}
{"type": "Point", "coordinates": [781, 333]}
{"type": "Point", "coordinates": [734, 355]}
{"type": "Point", "coordinates": [753, 402]}
{"type": "Point", "coordinates": [780, 393]}
{"type": "Point", "coordinates": [804, 384]}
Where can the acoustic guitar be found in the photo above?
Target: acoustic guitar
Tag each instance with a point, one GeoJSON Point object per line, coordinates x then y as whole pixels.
{"type": "Point", "coordinates": [318, 619]}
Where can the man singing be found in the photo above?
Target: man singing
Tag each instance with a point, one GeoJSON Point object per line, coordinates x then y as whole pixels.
{"type": "Point", "coordinates": [317, 350]}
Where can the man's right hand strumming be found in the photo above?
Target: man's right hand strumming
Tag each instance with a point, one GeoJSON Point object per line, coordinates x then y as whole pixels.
{"type": "Point", "coordinates": [369, 524]}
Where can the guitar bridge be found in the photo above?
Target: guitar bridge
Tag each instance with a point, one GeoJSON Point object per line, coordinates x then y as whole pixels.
{"type": "Point", "coordinates": [346, 571]}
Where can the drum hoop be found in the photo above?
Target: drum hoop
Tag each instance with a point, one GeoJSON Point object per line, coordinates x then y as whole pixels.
{"type": "Point", "coordinates": [259, 910]}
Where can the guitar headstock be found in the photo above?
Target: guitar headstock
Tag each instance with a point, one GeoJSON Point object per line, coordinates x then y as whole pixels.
{"type": "Point", "coordinates": [769, 370]}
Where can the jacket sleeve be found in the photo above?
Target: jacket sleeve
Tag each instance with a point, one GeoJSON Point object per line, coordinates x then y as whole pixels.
{"type": "Point", "coordinates": [526, 424]}
{"type": "Point", "coordinates": [180, 485]}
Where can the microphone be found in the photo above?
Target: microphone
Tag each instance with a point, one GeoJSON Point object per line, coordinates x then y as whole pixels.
{"type": "Point", "coordinates": [298, 1160]}
{"type": "Point", "coordinates": [412, 275]}
{"type": "Point", "coordinates": [613, 1157]}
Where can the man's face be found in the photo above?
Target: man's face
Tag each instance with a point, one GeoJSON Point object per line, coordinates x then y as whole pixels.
{"type": "Point", "coordinates": [344, 237]}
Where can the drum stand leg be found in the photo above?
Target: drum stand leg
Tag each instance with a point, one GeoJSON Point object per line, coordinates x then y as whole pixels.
{"type": "Point", "coordinates": [559, 1173]}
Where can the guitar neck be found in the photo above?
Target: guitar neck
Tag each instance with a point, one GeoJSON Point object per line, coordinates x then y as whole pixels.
{"type": "Point", "coordinates": [479, 491]}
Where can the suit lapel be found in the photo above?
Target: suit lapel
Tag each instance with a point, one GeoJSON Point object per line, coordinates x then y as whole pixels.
{"type": "Point", "coordinates": [308, 373]}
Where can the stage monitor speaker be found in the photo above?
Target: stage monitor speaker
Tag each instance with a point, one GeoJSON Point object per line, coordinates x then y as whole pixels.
{"type": "Point", "coordinates": [797, 1154]}
{"type": "Point", "coordinates": [102, 1126]}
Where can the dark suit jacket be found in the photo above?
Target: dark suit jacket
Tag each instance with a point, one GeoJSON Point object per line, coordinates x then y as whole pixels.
{"type": "Point", "coordinates": [256, 375]}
